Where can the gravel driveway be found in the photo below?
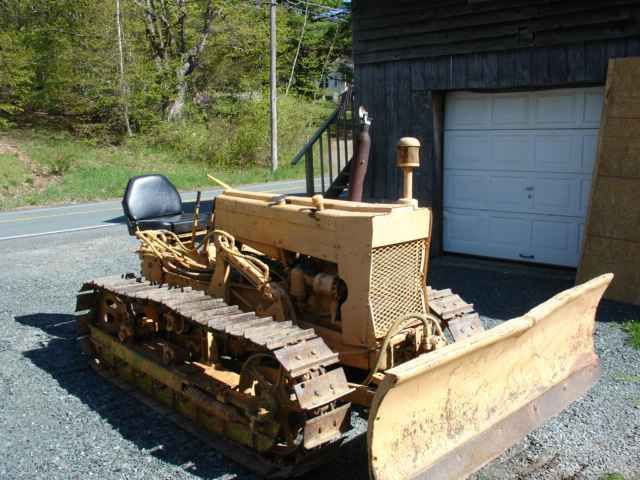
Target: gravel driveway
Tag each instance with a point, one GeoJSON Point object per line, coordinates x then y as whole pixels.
{"type": "Point", "coordinates": [58, 420]}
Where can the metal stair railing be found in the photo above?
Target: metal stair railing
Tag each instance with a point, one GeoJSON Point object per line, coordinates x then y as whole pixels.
{"type": "Point", "coordinates": [328, 153]}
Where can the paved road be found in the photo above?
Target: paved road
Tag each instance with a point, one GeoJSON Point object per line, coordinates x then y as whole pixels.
{"type": "Point", "coordinates": [89, 216]}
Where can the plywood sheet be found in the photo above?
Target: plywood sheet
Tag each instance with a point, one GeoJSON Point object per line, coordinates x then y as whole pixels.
{"type": "Point", "coordinates": [615, 209]}
{"type": "Point", "coordinates": [622, 156]}
{"type": "Point", "coordinates": [604, 255]}
{"type": "Point", "coordinates": [612, 234]}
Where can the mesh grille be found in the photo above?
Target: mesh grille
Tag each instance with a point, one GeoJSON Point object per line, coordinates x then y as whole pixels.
{"type": "Point", "coordinates": [397, 279]}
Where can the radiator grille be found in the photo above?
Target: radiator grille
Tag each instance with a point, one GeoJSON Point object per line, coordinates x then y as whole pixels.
{"type": "Point", "coordinates": [397, 282]}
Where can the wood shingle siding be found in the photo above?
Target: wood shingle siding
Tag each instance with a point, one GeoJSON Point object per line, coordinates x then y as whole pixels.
{"type": "Point", "coordinates": [404, 30]}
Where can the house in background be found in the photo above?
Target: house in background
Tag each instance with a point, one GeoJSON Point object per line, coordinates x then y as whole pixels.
{"type": "Point", "coordinates": [506, 98]}
{"type": "Point", "coordinates": [337, 79]}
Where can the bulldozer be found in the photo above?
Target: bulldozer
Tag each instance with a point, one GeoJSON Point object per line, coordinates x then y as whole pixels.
{"type": "Point", "coordinates": [269, 321]}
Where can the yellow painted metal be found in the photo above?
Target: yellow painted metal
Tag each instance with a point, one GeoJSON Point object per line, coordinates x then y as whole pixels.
{"type": "Point", "coordinates": [177, 390]}
{"type": "Point", "coordinates": [344, 233]}
{"type": "Point", "coordinates": [434, 405]}
{"type": "Point", "coordinates": [219, 182]}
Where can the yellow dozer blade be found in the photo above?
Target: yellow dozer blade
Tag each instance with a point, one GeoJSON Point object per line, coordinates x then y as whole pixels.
{"type": "Point", "coordinates": [445, 414]}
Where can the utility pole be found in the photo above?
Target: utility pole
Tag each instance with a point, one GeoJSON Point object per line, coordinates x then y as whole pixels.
{"type": "Point", "coordinates": [124, 89]}
{"type": "Point", "coordinates": [274, 89]}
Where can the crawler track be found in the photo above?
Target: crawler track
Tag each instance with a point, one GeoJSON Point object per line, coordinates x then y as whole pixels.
{"type": "Point", "coordinates": [456, 314]}
{"type": "Point", "coordinates": [174, 365]}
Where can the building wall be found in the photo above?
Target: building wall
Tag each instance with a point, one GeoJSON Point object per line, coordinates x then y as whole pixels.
{"type": "Point", "coordinates": [408, 53]}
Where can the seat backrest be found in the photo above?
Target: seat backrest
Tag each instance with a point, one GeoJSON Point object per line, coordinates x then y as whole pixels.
{"type": "Point", "coordinates": [150, 196]}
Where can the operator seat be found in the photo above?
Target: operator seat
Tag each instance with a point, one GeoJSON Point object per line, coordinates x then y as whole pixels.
{"type": "Point", "coordinates": [151, 202]}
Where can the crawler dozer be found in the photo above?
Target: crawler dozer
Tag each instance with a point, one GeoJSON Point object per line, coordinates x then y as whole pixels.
{"type": "Point", "coordinates": [268, 322]}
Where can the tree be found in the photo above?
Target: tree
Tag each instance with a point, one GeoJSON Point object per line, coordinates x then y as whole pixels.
{"type": "Point", "coordinates": [176, 43]}
{"type": "Point", "coordinates": [16, 65]}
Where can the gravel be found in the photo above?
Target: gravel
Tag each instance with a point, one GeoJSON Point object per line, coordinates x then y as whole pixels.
{"type": "Point", "coordinates": [58, 420]}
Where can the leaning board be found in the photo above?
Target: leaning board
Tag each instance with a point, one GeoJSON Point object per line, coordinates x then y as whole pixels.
{"type": "Point", "coordinates": [612, 235]}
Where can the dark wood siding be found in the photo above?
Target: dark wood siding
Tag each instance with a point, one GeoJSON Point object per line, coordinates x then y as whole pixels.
{"type": "Point", "coordinates": [409, 29]}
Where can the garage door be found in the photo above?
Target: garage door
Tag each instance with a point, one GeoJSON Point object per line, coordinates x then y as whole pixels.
{"type": "Point", "coordinates": [517, 173]}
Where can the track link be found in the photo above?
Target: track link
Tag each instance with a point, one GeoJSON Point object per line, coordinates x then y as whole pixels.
{"type": "Point", "coordinates": [317, 382]}
{"type": "Point", "coordinates": [459, 316]}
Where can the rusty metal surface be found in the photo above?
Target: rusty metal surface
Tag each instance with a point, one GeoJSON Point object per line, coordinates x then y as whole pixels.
{"type": "Point", "coordinates": [238, 453]}
{"type": "Point", "coordinates": [358, 167]}
{"type": "Point", "coordinates": [464, 390]}
{"type": "Point", "coordinates": [282, 339]}
{"type": "Point", "coordinates": [322, 389]}
{"type": "Point", "coordinates": [464, 326]}
{"type": "Point", "coordinates": [455, 314]}
{"type": "Point", "coordinates": [462, 461]}
{"type": "Point", "coordinates": [297, 358]}
{"type": "Point", "coordinates": [325, 427]}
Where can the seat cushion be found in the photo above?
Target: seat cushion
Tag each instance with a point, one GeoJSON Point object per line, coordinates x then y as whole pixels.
{"type": "Point", "coordinates": [182, 223]}
{"type": "Point", "coordinates": [150, 196]}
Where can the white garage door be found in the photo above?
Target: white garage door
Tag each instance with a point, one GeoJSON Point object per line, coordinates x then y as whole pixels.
{"type": "Point", "coordinates": [517, 172]}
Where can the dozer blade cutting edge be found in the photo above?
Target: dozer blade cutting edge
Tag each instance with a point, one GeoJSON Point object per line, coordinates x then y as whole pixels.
{"type": "Point", "coordinates": [447, 413]}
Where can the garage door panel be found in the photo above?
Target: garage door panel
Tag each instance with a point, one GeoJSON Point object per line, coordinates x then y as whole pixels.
{"type": "Point", "coordinates": [466, 229]}
{"type": "Point", "coordinates": [523, 150]}
{"type": "Point", "coordinates": [589, 152]}
{"type": "Point", "coordinates": [467, 150]}
{"type": "Point", "coordinates": [517, 172]}
{"type": "Point", "coordinates": [469, 111]}
{"type": "Point", "coordinates": [510, 110]}
{"type": "Point", "coordinates": [508, 193]}
{"type": "Point", "coordinates": [487, 234]}
{"type": "Point", "coordinates": [511, 151]}
{"type": "Point", "coordinates": [527, 237]}
{"type": "Point", "coordinates": [555, 241]}
{"type": "Point", "coordinates": [554, 152]}
{"type": "Point", "coordinates": [556, 195]}
{"type": "Point", "coordinates": [466, 189]}
{"type": "Point", "coordinates": [513, 232]}
{"type": "Point", "coordinates": [560, 108]}
{"type": "Point", "coordinates": [555, 109]}
{"type": "Point", "coordinates": [593, 103]}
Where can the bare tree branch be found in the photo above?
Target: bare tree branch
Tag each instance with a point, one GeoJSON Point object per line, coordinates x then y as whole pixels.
{"type": "Point", "coordinates": [166, 25]}
{"type": "Point", "coordinates": [295, 60]}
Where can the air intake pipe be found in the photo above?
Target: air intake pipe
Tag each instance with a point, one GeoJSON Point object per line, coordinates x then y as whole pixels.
{"type": "Point", "coordinates": [408, 158]}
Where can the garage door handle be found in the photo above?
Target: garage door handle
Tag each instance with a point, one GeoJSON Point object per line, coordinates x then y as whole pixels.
{"type": "Point", "coordinates": [527, 257]}
{"type": "Point", "coordinates": [529, 189]}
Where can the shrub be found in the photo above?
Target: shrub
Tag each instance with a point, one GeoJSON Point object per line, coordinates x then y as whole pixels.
{"type": "Point", "coordinates": [632, 327]}
{"type": "Point", "coordinates": [235, 134]}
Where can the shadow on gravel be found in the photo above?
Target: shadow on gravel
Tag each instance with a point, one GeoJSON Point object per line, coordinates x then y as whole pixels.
{"type": "Point", "coordinates": [499, 294]}
{"type": "Point", "coordinates": [503, 294]}
{"type": "Point", "coordinates": [147, 429]}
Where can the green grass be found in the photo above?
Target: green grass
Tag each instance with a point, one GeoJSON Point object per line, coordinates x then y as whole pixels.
{"type": "Point", "coordinates": [627, 378]}
{"type": "Point", "coordinates": [13, 174]}
{"type": "Point", "coordinates": [632, 327]}
{"type": "Point", "coordinates": [612, 476]}
{"type": "Point", "coordinates": [79, 170]}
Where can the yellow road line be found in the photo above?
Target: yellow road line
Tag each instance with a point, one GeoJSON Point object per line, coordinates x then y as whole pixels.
{"type": "Point", "coordinates": [119, 209]}
{"type": "Point", "coordinates": [40, 217]}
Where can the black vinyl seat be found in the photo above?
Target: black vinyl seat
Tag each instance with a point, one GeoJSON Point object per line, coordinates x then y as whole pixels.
{"type": "Point", "coordinates": [151, 202]}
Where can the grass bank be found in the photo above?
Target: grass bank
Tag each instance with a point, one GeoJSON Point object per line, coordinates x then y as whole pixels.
{"type": "Point", "coordinates": [63, 169]}
{"type": "Point", "coordinates": [41, 164]}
